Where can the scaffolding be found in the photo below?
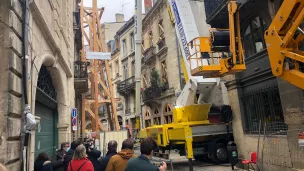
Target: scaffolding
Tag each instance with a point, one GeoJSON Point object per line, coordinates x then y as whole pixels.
{"type": "Point", "coordinates": [100, 85]}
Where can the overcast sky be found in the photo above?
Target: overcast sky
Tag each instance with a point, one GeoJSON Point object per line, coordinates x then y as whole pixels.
{"type": "Point", "coordinates": [112, 7]}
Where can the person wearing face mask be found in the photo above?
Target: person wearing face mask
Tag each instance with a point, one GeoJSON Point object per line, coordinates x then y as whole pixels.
{"type": "Point", "coordinates": [58, 157]}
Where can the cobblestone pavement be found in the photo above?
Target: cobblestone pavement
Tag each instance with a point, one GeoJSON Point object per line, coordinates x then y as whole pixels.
{"type": "Point", "coordinates": [180, 163]}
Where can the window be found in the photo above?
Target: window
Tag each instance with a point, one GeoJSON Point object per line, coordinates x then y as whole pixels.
{"type": "Point", "coordinates": [116, 68]}
{"type": "Point", "coordinates": [168, 114]}
{"type": "Point", "coordinates": [132, 42]}
{"type": "Point", "coordinates": [253, 36]}
{"type": "Point", "coordinates": [125, 68]}
{"type": "Point", "coordinates": [124, 48]}
{"type": "Point", "coordinates": [161, 30]}
{"type": "Point", "coordinates": [151, 43]}
{"type": "Point", "coordinates": [145, 84]}
{"type": "Point", "coordinates": [143, 46]}
{"type": "Point", "coordinates": [133, 69]}
{"type": "Point", "coordinates": [264, 105]}
{"type": "Point", "coordinates": [164, 72]}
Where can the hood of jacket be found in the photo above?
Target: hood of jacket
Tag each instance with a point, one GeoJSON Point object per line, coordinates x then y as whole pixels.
{"type": "Point", "coordinates": [126, 153]}
{"type": "Point", "coordinates": [40, 163]}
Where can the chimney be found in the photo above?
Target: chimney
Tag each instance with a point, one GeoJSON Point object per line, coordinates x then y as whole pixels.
{"type": "Point", "coordinates": [120, 18]}
{"type": "Point", "coordinates": [148, 5]}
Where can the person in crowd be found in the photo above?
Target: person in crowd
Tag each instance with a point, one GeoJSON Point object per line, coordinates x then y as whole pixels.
{"type": "Point", "coordinates": [112, 150]}
{"type": "Point", "coordinates": [58, 157]}
{"type": "Point", "coordinates": [93, 154]}
{"type": "Point", "coordinates": [80, 161]}
{"type": "Point", "coordinates": [142, 162]}
{"type": "Point", "coordinates": [119, 161]}
{"type": "Point", "coordinates": [69, 155]}
{"type": "Point", "coordinates": [43, 163]}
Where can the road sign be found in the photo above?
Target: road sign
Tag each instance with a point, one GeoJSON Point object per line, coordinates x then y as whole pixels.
{"type": "Point", "coordinates": [74, 112]}
{"type": "Point", "coordinates": [98, 55]}
{"type": "Point", "coordinates": [74, 128]}
{"type": "Point", "coordinates": [74, 121]}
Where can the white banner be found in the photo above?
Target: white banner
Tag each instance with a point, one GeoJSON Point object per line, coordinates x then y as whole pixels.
{"type": "Point", "coordinates": [98, 55]}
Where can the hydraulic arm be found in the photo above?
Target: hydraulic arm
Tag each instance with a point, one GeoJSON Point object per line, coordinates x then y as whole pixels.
{"type": "Point", "coordinates": [284, 39]}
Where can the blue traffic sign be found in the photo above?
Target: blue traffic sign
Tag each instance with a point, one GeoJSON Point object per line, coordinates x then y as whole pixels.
{"type": "Point", "coordinates": [74, 112]}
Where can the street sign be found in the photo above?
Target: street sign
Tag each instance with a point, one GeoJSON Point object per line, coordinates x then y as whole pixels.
{"type": "Point", "coordinates": [74, 128]}
{"type": "Point", "coordinates": [98, 55]}
{"type": "Point", "coordinates": [74, 112]}
{"type": "Point", "coordinates": [74, 121]}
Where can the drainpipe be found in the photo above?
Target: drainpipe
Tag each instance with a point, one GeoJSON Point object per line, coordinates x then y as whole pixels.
{"type": "Point", "coordinates": [24, 134]}
{"type": "Point", "coordinates": [178, 61]}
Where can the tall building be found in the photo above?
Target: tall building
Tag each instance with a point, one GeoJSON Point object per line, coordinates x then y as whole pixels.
{"type": "Point", "coordinates": [48, 42]}
{"type": "Point", "coordinates": [161, 72]}
{"type": "Point", "coordinates": [123, 72]}
{"type": "Point", "coordinates": [256, 95]}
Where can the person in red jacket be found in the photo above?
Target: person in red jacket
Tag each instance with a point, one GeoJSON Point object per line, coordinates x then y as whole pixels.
{"type": "Point", "coordinates": [80, 161]}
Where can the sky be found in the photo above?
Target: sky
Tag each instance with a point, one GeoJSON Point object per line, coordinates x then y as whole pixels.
{"type": "Point", "coordinates": [127, 7]}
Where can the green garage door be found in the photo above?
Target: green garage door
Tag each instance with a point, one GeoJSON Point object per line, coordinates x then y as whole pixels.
{"type": "Point", "coordinates": [45, 140]}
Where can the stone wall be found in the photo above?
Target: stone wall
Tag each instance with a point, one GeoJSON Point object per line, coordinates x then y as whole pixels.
{"type": "Point", "coordinates": [10, 85]}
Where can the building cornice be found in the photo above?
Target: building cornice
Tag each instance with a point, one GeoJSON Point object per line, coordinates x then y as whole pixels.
{"type": "Point", "coordinates": [152, 10]}
{"type": "Point", "coordinates": [126, 26]}
{"type": "Point", "coordinates": [37, 16]}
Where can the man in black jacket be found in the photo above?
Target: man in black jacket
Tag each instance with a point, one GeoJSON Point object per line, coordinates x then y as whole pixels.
{"type": "Point", "coordinates": [112, 150]}
{"type": "Point", "coordinates": [68, 157]}
{"type": "Point", "coordinates": [57, 160]}
{"type": "Point", "coordinates": [93, 155]}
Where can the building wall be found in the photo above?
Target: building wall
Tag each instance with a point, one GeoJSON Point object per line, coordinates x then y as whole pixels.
{"type": "Point", "coordinates": [280, 148]}
{"type": "Point", "coordinates": [51, 43]}
{"type": "Point", "coordinates": [109, 30]}
{"type": "Point", "coordinates": [169, 54]}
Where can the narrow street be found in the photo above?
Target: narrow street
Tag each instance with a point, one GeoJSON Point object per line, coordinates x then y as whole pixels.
{"type": "Point", "coordinates": [180, 163]}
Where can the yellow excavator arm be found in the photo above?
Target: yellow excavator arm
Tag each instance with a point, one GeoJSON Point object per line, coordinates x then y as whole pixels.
{"type": "Point", "coordinates": [283, 38]}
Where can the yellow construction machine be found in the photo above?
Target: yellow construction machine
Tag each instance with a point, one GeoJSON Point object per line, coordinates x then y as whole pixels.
{"type": "Point", "coordinates": [212, 53]}
{"type": "Point", "coordinates": [224, 53]}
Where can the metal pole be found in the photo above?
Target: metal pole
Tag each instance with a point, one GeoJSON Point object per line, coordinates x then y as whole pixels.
{"type": "Point", "coordinates": [257, 161]}
{"type": "Point", "coordinates": [138, 41]}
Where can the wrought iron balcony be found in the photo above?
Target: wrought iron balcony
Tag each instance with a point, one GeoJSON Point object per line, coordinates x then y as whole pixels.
{"type": "Point", "coordinates": [81, 76]}
{"type": "Point", "coordinates": [126, 86]}
{"type": "Point", "coordinates": [128, 112]}
{"type": "Point", "coordinates": [149, 54]}
{"type": "Point", "coordinates": [151, 93]}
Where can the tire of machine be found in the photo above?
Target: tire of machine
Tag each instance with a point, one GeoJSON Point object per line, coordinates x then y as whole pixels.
{"type": "Point", "coordinates": [220, 154]}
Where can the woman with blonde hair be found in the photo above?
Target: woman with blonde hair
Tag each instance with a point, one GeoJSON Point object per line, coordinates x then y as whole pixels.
{"type": "Point", "coordinates": [80, 161]}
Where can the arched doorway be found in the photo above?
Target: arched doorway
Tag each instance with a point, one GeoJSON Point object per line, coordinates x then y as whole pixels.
{"type": "Point", "coordinates": [46, 135]}
{"type": "Point", "coordinates": [156, 117]}
{"type": "Point", "coordinates": [147, 119]}
{"type": "Point", "coordinates": [168, 114]}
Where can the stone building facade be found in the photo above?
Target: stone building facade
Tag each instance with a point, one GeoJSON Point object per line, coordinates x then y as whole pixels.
{"type": "Point", "coordinates": [161, 73]}
{"type": "Point", "coordinates": [255, 94]}
{"type": "Point", "coordinates": [49, 76]}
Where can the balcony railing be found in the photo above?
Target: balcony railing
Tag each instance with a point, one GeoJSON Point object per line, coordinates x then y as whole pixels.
{"type": "Point", "coordinates": [126, 85]}
{"type": "Point", "coordinates": [81, 76]}
{"type": "Point", "coordinates": [81, 70]}
{"type": "Point", "coordinates": [151, 93]}
{"type": "Point", "coordinates": [128, 112]}
{"type": "Point", "coordinates": [148, 54]}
